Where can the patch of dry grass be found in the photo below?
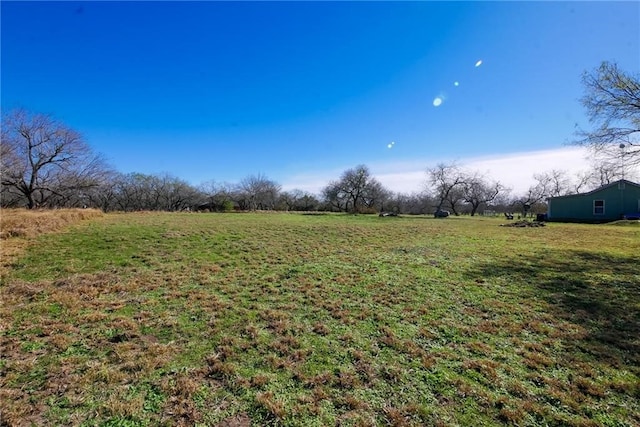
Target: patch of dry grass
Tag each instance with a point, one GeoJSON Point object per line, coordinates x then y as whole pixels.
{"type": "Point", "coordinates": [30, 223]}
{"type": "Point", "coordinates": [18, 226]}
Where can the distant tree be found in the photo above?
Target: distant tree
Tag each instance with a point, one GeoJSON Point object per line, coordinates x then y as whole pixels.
{"type": "Point", "coordinates": [129, 192]}
{"type": "Point", "coordinates": [454, 199]}
{"type": "Point", "coordinates": [97, 195]}
{"type": "Point", "coordinates": [446, 182]}
{"type": "Point", "coordinates": [582, 182]}
{"type": "Point", "coordinates": [420, 203]}
{"type": "Point", "coordinates": [297, 200]}
{"type": "Point", "coordinates": [503, 202]}
{"type": "Point", "coordinates": [104, 196]}
{"type": "Point", "coordinates": [137, 191]}
{"type": "Point", "coordinates": [612, 101]}
{"type": "Point", "coordinates": [397, 202]}
{"type": "Point", "coordinates": [356, 191]}
{"type": "Point", "coordinates": [217, 197]}
{"type": "Point", "coordinates": [477, 192]}
{"type": "Point", "coordinates": [603, 174]}
{"type": "Point", "coordinates": [288, 200]}
{"type": "Point", "coordinates": [609, 166]}
{"type": "Point", "coordinates": [44, 161]}
{"type": "Point", "coordinates": [335, 198]}
{"type": "Point", "coordinates": [308, 202]}
{"type": "Point", "coordinates": [258, 192]}
{"type": "Point", "coordinates": [376, 197]}
{"type": "Point", "coordinates": [414, 204]}
{"type": "Point", "coordinates": [561, 183]}
{"type": "Point", "coordinates": [535, 196]}
{"type": "Point", "coordinates": [554, 183]}
{"type": "Point", "coordinates": [175, 194]}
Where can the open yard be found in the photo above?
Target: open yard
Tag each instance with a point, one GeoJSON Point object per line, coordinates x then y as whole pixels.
{"type": "Point", "coordinates": [289, 319]}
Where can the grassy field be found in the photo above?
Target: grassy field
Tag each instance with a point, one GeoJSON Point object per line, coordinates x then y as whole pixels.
{"type": "Point", "coordinates": [18, 225]}
{"type": "Point", "coordinates": [277, 319]}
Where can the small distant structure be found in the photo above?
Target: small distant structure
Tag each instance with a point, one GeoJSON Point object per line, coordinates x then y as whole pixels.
{"type": "Point", "coordinates": [611, 202]}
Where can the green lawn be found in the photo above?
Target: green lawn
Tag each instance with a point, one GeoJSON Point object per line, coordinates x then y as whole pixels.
{"type": "Point", "coordinates": [276, 319]}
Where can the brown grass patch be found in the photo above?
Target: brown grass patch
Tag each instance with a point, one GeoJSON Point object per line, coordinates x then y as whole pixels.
{"type": "Point", "coordinates": [17, 226]}
{"type": "Point", "coordinates": [31, 223]}
{"type": "Point", "coordinates": [273, 407]}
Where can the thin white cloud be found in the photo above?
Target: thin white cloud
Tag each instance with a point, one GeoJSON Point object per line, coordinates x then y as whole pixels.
{"type": "Point", "coordinates": [514, 170]}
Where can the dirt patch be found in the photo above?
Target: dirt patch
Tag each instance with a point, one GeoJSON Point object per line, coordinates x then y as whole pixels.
{"type": "Point", "coordinates": [240, 420]}
{"type": "Point", "coordinates": [524, 224]}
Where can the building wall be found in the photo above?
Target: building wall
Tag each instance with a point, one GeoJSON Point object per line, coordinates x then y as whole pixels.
{"type": "Point", "coordinates": [579, 207]}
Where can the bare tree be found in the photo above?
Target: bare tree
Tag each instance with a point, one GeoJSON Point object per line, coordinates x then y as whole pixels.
{"type": "Point", "coordinates": [477, 192]}
{"type": "Point", "coordinates": [289, 199]}
{"type": "Point", "coordinates": [582, 182]}
{"type": "Point", "coordinates": [356, 191]}
{"type": "Point", "coordinates": [136, 191]}
{"type": "Point", "coordinates": [418, 203]}
{"type": "Point", "coordinates": [104, 196]}
{"type": "Point", "coordinates": [376, 196]}
{"type": "Point", "coordinates": [554, 183]}
{"type": "Point", "coordinates": [612, 101]}
{"type": "Point", "coordinates": [446, 182]}
{"type": "Point", "coordinates": [503, 203]}
{"type": "Point", "coordinates": [414, 203]}
{"type": "Point", "coordinates": [217, 197]}
{"type": "Point", "coordinates": [308, 202]}
{"type": "Point", "coordinates": [335, 198]}
{"type": "Point", "coordinates": [607, 167]}
{"type": "Point", "coordinates": [258, 192]}
{"type": "Point", "coordinates": [536, 194]}
{"type": "Point", "coordinates": [43, 159]}
{"type": "Point", "coordinates": [128, 196]}
{"type": "Point", "coordinates": [174, 194]}
{"type": "Point", "coordinates": [454, 199]}
{"type": "Point", "coordinates": [297, 200]}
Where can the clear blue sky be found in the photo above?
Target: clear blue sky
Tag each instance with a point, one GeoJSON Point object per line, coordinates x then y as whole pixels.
{"type": "Point", "coordinates": [216, 90]}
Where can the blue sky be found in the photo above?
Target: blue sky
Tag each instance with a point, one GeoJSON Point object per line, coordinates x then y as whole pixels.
{"type": "Point", "coordinates": [300, 91]}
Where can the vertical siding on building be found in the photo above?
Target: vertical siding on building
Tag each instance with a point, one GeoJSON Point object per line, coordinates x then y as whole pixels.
{"type": "Point", "coordinates": [620, 198]}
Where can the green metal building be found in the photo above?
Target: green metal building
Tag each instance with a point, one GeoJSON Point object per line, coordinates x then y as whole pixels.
{"type": "Point", "coordinates": [611, 202]}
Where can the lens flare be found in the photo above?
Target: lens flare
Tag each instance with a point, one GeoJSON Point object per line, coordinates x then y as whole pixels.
{"type": "Point", "coordinates": [437, 101]}
{"type": "Point", "coordinates": [479, 63]}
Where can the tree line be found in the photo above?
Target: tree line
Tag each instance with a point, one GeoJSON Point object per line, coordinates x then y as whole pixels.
{"type": "Point", "coordinates": [46, 164]}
